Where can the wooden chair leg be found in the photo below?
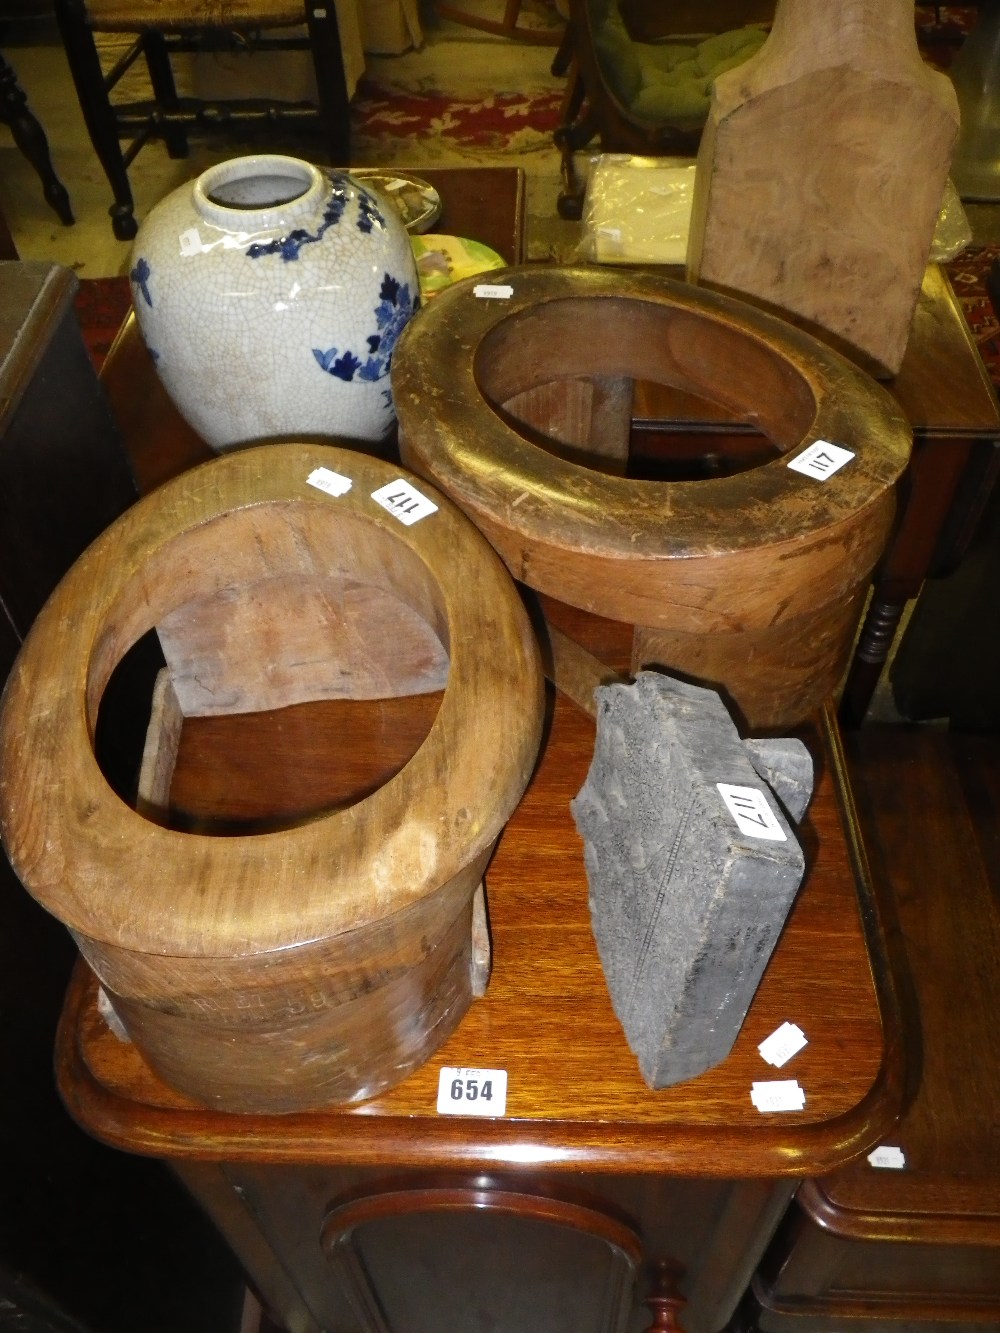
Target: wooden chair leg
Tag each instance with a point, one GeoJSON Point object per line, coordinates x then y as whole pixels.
{"type": "Point", "coordinates": [98, 115]}
{"type": "Point", "coordinates": [331, 83]}
{"type": "Point", "coordinates": [562, 61]}
{"type": "Point", "coordinates": [570, 137]}
{"type": "Point", "coordinates": [161, 78]}
{"type": "Point", "coordinates": [30, 138]}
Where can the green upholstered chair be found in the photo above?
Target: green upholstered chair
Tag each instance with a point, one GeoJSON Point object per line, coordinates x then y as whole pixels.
{"type": "Point", "coordinates": [648, 97]}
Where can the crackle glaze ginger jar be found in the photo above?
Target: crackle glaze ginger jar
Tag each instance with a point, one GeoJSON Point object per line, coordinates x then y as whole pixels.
{"type": "Point", "coordinates": [270, 294]}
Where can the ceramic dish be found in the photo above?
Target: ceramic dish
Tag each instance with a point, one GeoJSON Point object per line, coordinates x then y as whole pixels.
{"type": "Point", "coordinates": [442, 260]}
{"type": "Point", "coordinates": [418, 202]}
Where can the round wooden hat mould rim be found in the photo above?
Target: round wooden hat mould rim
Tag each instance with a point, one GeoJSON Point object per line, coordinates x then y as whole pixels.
{"type": "Point", "coordinates": [89, 860]}
{"type": "Point", "coordinates": [473, 337]}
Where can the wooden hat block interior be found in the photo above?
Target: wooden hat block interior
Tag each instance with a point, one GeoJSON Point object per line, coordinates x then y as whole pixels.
{"type": "Point", "coordinates": [323, 959]}
{"type": "Point", "coordinates": [751, 582]}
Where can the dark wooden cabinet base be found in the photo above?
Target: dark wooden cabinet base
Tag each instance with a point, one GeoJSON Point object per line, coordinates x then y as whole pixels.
{"type": "Point", "coordinates": [917, 1249]}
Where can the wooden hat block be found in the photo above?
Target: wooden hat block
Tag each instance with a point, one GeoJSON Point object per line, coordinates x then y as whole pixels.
{"type": "Point", "coordinates": [821, 173]}
{"type": "Point", "coordinates": [325, 958]}
{"type": "Point", "coordinates": [752, 582]}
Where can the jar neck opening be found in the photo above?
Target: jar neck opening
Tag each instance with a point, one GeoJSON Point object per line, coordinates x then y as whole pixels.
{"type": "Point", "coordinates": [248, 193]}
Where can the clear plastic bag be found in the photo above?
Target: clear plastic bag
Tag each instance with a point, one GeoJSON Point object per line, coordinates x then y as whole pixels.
{"type": "Point", "coordinates": [637, 210]}
{"type": "Point", "coordinates": [952, 234]}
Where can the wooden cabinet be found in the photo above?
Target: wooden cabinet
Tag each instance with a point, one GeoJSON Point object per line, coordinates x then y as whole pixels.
{"type": "Point", "coordinates": [88, 1237]}
{"type": "Point", "coordinates": [917, 1247]}
{"type": "Point", "coordinates": [64, 474]}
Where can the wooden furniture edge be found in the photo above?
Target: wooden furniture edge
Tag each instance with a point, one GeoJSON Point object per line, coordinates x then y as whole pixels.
{"type": "Point", "coordinates": [932, 1227]}
{"type": "Point", "coordinates": [339, 1138]}
{"type": "Point", "coordinates": [890, 1307]}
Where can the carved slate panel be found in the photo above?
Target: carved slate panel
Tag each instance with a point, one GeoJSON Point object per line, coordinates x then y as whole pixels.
{"type": "Point", "coordinates": [692, 864]}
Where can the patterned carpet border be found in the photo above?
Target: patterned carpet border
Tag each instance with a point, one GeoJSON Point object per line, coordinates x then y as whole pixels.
{"type": "Point", "coordinates": [968, 274]}
{"type": "Point", "coordinates": [387, 121]}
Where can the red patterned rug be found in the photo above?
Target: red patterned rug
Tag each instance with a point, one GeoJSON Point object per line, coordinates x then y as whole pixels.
{"type": "Point", "coordinates": [101, 306]}
{"type": "Point", "coordinates": [967, 274]}
{"type": "Point", "coordinates": [941, 29]}
{"type": "Point", "coordinates": [502, 123]}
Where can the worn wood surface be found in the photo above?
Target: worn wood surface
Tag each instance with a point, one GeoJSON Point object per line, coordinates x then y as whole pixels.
{"type": "Point", "coordinates": [322, 961]}
{"type": "Point", "coordinates": [575, 1099]}
{"type": "Point", "coordinates": [835, 139]}
{"type": "Point", "coordinates": [763, 563]}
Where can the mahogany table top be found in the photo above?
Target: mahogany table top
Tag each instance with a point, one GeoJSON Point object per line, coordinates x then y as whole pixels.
{"type": "Point", "coordinates": [575, 1098]}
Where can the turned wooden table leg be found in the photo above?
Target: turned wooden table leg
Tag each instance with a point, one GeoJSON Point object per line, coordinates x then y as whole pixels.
{"type": "Point", "coordinates": [664, 1299]}
{"type": "Point", "coordinates": [870, 656]}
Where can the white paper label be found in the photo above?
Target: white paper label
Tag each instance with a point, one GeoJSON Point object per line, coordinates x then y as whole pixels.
{"type": "Point", "coordinates": [472, 1091]}
{"type": "Point", "coordinates": [753, 815]}
{"type": "Point", "coordinates": [821, 460]}
{"type": "Point", "coordinates": [886, 1156]}
{"type": "Point", "coordinates": [404, 502]}
{"type": "Point", "coordinates": [493, 291]}
{"type": "Point", "coordinates": [779, 1095]}
{"type": "Point", "coordinates": [331, 482]}
{"type": "Point", "coordinates": [190, 241]}
{"type": "Point", "coordinates": [782, 1044]}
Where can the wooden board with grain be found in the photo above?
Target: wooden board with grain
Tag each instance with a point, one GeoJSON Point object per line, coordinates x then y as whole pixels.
{"type": "Point", "coordinates": [821, 173]}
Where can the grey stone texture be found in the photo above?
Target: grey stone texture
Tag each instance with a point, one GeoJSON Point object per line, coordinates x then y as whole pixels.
{"type": "Point", "coordinates": [787, 767]}
{"type": "Point", "coordinates": [686, 904]}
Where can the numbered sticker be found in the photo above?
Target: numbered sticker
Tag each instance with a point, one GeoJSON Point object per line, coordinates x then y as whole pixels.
{"type": "Point", "coordinates": [778, 1095]}
{"type": "Point", "coordinates": [782, 1044]}
{"type": "Point", "coordinates": [404, 502]}
{"type": "Point", "coordinates": [886, 1156]}
{"type": "Point", "coordinates": [753, 815]}
{"type": "Point", "coordinates": [493, 291]}
{"type": "Point", "coordinates": [331, 482]}
{"type": "Point", "coordinates": [821, 460]}
{"type": "Point", "coordinates": [472, 1091]}
{"type": "Point", "coordinates": [190, 242]}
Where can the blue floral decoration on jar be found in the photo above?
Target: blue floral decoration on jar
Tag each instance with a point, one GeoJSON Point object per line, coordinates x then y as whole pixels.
{"type": "Point", "coordinates": [140, 276]}
{"type": "Point", "coordinates": [396, 305]}
{"type": "Point", "coordinates": [288, 247]}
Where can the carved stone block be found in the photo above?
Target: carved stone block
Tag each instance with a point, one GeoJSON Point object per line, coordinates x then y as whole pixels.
{"type": "Point", "coordinates": [692, 865]}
